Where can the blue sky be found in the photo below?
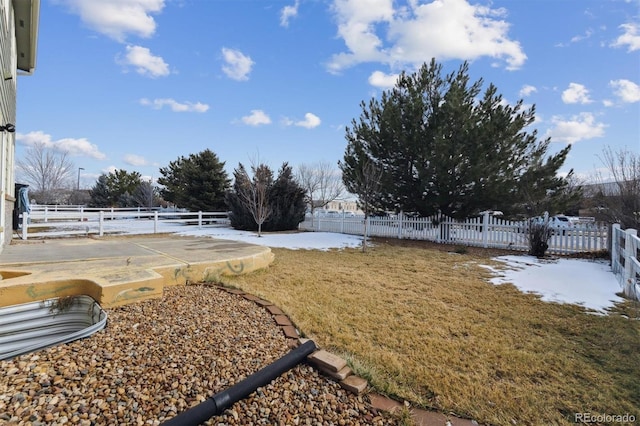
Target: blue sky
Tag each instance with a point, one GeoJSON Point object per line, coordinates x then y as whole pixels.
{"type": "Point", "coordinates": [135, 84]}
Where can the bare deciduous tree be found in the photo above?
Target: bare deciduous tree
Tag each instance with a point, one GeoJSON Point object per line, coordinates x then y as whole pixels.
{"type": "Point", "coordinates": [322, 183]}
{"type": "Point", "coordinates": [145, 194]}
{"type": "Point", "coordinates": [46, 171]}
{"type": "Point", "coordinates": [618, 187]}
{"type": "Point", "coordinates": [364, 181]}
{"type": "Point", "coordinates": [253, 193]}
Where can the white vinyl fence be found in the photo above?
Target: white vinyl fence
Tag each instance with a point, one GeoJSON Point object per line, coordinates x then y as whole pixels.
{"type": "Point", "coordinates": [49, 221]}
{"type": "Point", "coordinates": [485, 231]}
{"type": "Point", "coordinates": [625, 246]}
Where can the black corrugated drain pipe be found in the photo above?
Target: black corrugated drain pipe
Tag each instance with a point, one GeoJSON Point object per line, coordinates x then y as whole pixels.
{"type": "Point", "coordinates": [223, 400]}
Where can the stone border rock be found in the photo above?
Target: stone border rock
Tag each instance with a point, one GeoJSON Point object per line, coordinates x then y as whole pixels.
{"type": "Point", "coordinates": [336, 368]}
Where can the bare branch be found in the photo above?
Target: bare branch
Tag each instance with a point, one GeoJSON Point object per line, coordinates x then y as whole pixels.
{"type": "Point", "coordinates": [253, 193]}
{"type": "Point", "coordinates": [322, 183]}
{"type": "Point", "coordinates": [618, 191]}
{"type": "Point", "coordinates": [46, 170]}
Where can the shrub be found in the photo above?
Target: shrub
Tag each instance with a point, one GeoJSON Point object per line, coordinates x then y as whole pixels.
{"type": "Point", "coordinates": [284, 198]}
{"type": "Point", "coordinates": [539, 235]}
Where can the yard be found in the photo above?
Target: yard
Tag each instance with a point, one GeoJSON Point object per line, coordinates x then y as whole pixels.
{"type": "Point", "coordinates": [423, 324]}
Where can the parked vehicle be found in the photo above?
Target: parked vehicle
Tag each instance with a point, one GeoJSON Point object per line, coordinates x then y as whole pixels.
{"type": "Point", "coordinates": [492, 213]}
{"type": "Point", "coordinates": [559, 223]}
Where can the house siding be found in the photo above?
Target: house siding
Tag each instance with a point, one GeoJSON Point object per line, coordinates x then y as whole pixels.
{"type": "Point", "coordinates": [8, 79]}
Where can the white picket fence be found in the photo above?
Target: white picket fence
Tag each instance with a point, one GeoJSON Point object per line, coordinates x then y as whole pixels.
{"type": "Point", "coordinates": [485, 231]}
{"type": "Point", "coordinates": [51, 221]}
{"type": "Point", "coordinates": [625, 246]}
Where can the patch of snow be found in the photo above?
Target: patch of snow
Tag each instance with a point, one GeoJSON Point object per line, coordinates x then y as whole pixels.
{"type": "Point", "coordinates": [290, 240]}
{"type": "Point", "coordinates": [588, 283]}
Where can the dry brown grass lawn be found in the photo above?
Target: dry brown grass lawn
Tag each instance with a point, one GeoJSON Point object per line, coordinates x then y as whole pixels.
{"type": "Point", "coordinates": [424, 324]}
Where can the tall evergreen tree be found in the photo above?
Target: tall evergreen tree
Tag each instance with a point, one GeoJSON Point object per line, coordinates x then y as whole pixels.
{"type": "Point", "coordinates": [100, 196]}
{"type": "Point", "coordinates": [445, 148]}
{"type": "Point", "coordinates": [239, 213]}
{"type": "Point", "coordinates": [287, 201]}
{"type": "Point", "coordinates": [252, 196]}
{"type": "Point", "coordinates": [121, 185]}
{"type": "Point", "coordinates": [197, 182]}
{"type": "Point", "coordinates": [284, 199]}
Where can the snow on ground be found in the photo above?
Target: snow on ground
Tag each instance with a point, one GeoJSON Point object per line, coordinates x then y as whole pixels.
{"type": "Point", "coordinates": [583, 282]}
{"type": "Point", "coordinates": [296, 240]}
{"type": "Point", "coordinates": [588, 283]}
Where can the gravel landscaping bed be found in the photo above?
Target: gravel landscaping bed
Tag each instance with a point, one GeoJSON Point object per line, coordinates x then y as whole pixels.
{"type": "Point", "coordinates": [159, 357]}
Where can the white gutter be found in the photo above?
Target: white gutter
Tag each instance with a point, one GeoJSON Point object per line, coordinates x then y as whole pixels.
{"type": "Point", "coordinates": [26, 16]}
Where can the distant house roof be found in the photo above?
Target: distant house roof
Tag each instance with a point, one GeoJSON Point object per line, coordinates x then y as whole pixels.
{"type": "Point", "coordinates": [605, 188]}
{"type": "Point", "coordinates": [26, 14]}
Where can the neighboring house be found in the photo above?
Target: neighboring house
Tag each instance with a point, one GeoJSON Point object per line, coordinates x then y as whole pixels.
{"type": "Point", "coordinates": [18, 41]}
{"type": "Point", "coordinates": [605, 188]}
{"type": "Point", "coordinates": [344, 205]}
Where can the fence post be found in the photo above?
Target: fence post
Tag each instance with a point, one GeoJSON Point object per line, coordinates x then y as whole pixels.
{"type": "Point", "coordinates": [81, 213]}
{"type": "Point", "coordinates": [613, 245]}
{"type": "Point", "coordinates": [367, 224]}
{"type": "Point", "coordinates": [400, 225]}
{"type": "Point", "coordinates": [342, 223]}
{"type": "Point", "coordinates": [485, 230]}
{"type": "Point", "coordinates": [199, 220]}
{"type": "Point", "coordinates": [46, 214]}
{"type": "Point", "coordinates": [629, 279]}
{"type": "Point", "coordinates": [112, 213]}
{"type": "Point", "coordinates": [445, 228]}
{"type": "Point", "coordinates": [155, 222]}
{"type": "Point", "coordinates": [25, 220]}
{"type": "Point", "coordinates": [138, 217]}
{"type": "Point", "coordinates": [101, 223]}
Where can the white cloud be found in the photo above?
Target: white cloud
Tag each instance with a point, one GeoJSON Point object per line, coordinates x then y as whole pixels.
{"type": "Point", "coordinates": [289, 12]}
{"type": "Point", "coordinates": [117, 18]}
{"type": "Point", "coordinates": [627, 91]}
{"type": "Point", "coordinates": [238, 66]}
{"type": "Point", "coordinates": [575, 39]}
{"type": "Point", "coordinates": [145, 62]}
{"type": "Point", "coordinates": [382, 80]}
{"type": "Point", "coordinates": [527, 90]}
{"type": "Point", "coordinates": [109, 170]}
{"type": "Point", "coordinates": [135, 160]}
{"type": "Point", "coordinates": [579, 127]}
{"type": "Point", "coordinates": [34, 138]}
{"type": "Point", "coordinates": [256, 118]}
{"type": "Point", "coordinates": [175, 105]}
{"type": "Point", "coordinates": [576, 94]}
{"type": "Point", "coordinates": [607, 103]}
{"type": "Point", "coordinates": [629, 38]}
{"type": "Point", "coordinates": [77, 147]}
{"type": "Point", "coordinates": [374, 31]}
{"type": "Point", "coordinates": [310, 121]}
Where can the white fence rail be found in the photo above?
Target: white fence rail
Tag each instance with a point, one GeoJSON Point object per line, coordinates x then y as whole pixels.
{"type": "Point", "coordinates": [625, 246]}
{"type": "Point", "coordinates": [46, 221]}
{"type": "Point", "coordinates": [485, 231]}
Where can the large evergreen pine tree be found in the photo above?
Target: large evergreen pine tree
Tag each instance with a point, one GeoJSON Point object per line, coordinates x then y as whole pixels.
{"type": "Point", "coordinates": [100, 195]}
{"type": "Point", "coordinates": [445, 148]}
{"type": "Point", "coordinates": [287, 201]}
{"type": "Point", "coordinates": [197, 182]}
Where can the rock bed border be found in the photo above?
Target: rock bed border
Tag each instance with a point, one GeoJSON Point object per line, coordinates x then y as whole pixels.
{"type": "Point", "coordinates": [336, 368]}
